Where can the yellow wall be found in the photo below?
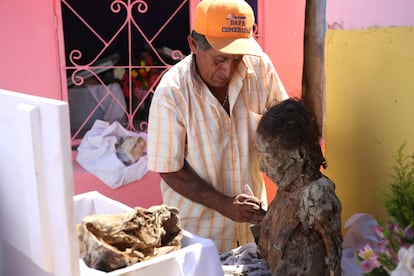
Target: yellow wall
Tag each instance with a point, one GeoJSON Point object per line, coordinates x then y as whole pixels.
{"type": "Point", "coordinates": [369, 111]}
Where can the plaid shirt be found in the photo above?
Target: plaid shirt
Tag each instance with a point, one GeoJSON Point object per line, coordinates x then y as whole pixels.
{"type": "Point", "coordinates": [186, 121]}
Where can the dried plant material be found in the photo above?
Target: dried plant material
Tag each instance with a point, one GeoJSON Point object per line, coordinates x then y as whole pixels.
{"type": "Point", "coordinates": [109, 242]}
{"type": "Point", "coordinates": [301, 231]}
{"type": "Point", "coordinates": [130, 148]}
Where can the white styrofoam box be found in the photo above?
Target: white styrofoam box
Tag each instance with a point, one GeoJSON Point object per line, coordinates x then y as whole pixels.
{"type": "Point", "coordinates": [198, 256]}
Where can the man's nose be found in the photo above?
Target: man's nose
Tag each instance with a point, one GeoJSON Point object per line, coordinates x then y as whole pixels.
{"type": "Point", "coordinates": [227, 68]}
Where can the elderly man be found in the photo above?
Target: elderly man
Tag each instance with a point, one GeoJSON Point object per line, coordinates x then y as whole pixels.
{"type": "Point", "coordinates": [202, 124]}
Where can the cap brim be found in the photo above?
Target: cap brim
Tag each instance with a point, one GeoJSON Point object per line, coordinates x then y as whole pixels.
{"type": "Point", "coordinates": [239, 46]}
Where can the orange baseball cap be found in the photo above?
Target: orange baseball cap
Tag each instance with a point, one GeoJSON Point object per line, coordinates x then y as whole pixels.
{"type": "Point", "coordinates": [227, 26]}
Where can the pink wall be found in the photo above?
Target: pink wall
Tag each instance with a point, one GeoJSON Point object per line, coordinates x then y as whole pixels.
{"type": "Point", "coordinates": [29, 48]}
{"type": "Point", "coordinates": [357, 14]}
{"type": "Point", "coordinates": [282, 23]}
{"type": "Point", "coordinates": [29, 60]}
{"type": "Point", "coordinates": [34, 36]}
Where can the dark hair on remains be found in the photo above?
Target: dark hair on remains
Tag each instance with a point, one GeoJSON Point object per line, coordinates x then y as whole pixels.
{"type": "Point", "coordinates": [295, 126]}
{"type": "Point", "coordinates": [201, 41]}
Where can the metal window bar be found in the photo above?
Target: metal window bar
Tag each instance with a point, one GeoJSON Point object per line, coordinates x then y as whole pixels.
{"type": "Point", "coordinates": [84, 65]}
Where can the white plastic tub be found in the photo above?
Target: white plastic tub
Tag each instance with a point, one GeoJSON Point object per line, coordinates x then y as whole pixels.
{"type": "Point", "coordinates": [198, 256]}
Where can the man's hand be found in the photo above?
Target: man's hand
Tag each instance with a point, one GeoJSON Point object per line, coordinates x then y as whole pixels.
{"type": "Point", "coordinates": [244, 208]}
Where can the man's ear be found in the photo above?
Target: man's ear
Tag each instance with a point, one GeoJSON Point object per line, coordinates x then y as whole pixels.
{"type": "Point", "coordinates": [192, 44]}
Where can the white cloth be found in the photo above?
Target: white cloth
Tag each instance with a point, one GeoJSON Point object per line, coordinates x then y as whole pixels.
{"type": "Point", "coordinates": [88, 103]}
{"type": "Point", "coordinates": [97, 155]}
{"type": "Point", "coordinates": [114, 102]}
{"type": "Point", "coordinates": [244, 260]}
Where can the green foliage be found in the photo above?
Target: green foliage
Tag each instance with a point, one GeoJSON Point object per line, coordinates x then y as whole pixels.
{"type": "Point", "coordinates": [398, 198]}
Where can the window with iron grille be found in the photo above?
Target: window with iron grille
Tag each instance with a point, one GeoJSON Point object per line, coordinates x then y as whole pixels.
{"type": "Point", "coordinates": [116, 53]}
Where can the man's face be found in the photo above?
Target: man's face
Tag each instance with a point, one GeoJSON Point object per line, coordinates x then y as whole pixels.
{"type": "Point", "coordinates": [214, 67]}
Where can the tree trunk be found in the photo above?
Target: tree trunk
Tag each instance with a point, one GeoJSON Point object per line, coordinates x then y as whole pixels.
{"type": "Point", "coordinates": [313, 74]}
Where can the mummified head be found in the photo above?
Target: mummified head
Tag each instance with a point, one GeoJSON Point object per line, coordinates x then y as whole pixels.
{"type": "Point", "coordinates": [288, 143]}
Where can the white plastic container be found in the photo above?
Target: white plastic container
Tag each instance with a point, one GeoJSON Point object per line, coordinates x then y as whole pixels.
{"type": "Point", "coordinates": [198, 256]}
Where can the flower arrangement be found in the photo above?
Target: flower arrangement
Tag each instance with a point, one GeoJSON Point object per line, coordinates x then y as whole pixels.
{"type": "Point", "coordinates": [139, 83]}
{"type": "Point", "coordinates": [394, 245]}
{"type": "Point", "coordinates": [394, 254]}
{"type": "Point", "coordinates": [142, 78]}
